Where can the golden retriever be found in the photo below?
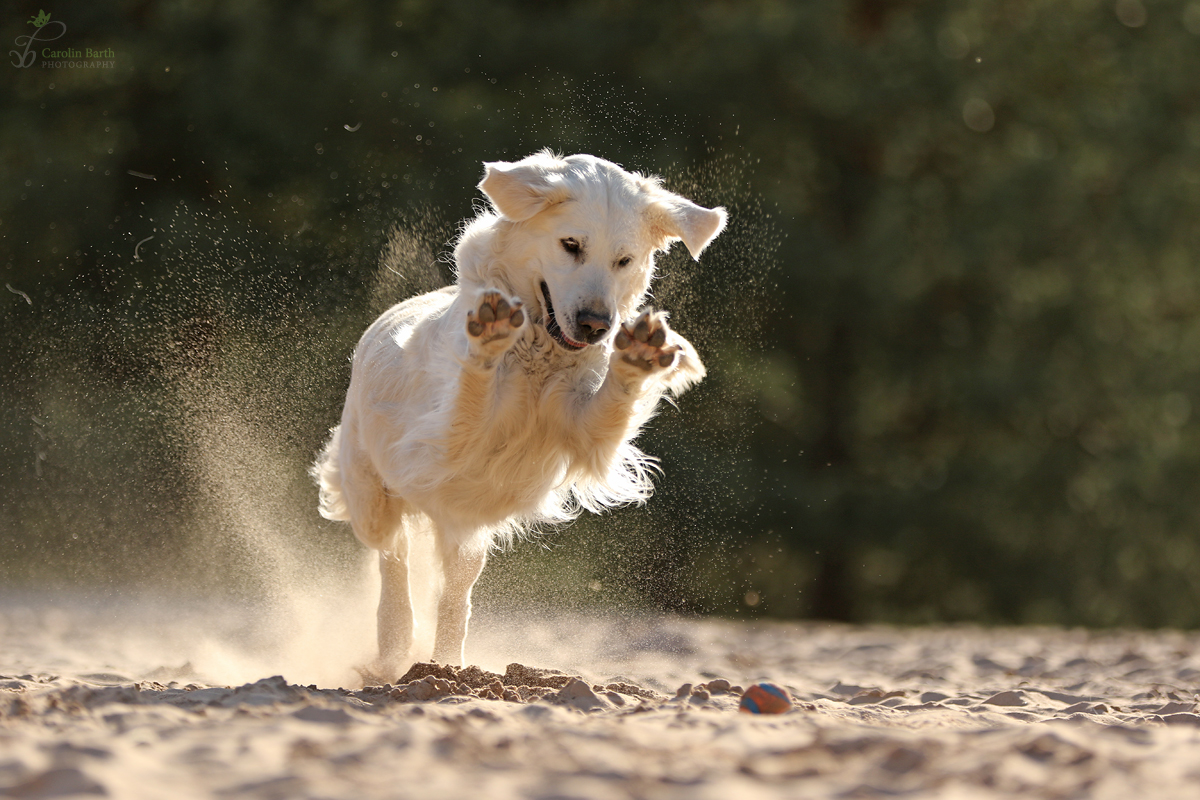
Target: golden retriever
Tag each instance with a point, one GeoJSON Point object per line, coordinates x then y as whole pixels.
{"type": "Point", "coordinates": [513, 397]}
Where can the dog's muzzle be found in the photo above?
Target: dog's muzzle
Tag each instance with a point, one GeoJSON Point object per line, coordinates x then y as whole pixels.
{"type": "Point", "coordinates": [552, 326]}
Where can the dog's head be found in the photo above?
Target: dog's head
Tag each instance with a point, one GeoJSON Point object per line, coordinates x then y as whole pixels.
{"type": "Point", "coordinates": [584, 233]}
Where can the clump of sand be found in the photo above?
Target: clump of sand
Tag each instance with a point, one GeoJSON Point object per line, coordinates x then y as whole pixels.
{"type": "Point", "coordinates": [521, 684]}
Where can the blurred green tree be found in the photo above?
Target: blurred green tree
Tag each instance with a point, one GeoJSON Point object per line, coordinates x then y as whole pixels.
{"type": "Point", "coordinates": [953, 333]}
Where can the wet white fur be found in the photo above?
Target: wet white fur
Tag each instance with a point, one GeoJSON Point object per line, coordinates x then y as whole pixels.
{"type": "Point", "coordinates": [477, 440]}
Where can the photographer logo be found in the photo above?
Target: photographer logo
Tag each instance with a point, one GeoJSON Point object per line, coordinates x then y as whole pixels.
{"type": "Point", "coordinates": [33, 49]}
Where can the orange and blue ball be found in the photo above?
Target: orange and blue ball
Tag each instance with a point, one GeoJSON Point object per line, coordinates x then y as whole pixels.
{"type": "Point", "coordinates": [765, 698]}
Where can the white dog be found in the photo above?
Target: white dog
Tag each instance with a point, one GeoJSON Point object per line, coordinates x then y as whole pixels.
{"type": "Point", "coordinates": [511, 398]}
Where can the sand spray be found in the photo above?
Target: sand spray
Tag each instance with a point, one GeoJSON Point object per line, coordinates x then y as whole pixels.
{"type": "Point", "coordinates": [250, 344]}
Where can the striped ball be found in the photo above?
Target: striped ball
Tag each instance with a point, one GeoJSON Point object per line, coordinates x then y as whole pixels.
{"type": "Point", "coordinates": [765, 698]}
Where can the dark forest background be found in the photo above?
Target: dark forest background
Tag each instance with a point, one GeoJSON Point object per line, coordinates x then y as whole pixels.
{"type": "Point", "coordinates": [953, 333]}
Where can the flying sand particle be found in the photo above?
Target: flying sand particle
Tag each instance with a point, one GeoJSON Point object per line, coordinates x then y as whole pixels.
{"type": "Point", "coordinates": [18, 292]}
{"type": "Point", "coordinates": [137, 246]}
{"type": "Point", "coordinates": [141, 175]}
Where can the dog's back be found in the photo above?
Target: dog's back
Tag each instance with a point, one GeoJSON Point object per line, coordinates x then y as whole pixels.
{"type": "Point", "coordinates": [378, 361]}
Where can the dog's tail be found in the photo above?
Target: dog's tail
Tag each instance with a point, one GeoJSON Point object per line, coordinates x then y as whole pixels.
{"type": "Point", "coordinates": [327, 472]}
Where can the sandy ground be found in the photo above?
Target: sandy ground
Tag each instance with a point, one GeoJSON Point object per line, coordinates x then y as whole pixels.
{"type": "Point", "coordinates": [144, 698]}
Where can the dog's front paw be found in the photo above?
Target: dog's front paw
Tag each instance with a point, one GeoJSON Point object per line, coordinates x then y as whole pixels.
{"type": "Point", "coordinates": [493, 321]}
{"type": "Point", "coordinates": [643, 344]}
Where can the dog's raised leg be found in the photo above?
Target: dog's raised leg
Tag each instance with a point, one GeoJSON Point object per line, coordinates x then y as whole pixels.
{"type": "Point", "coordinates": [493, 325]}
{"type": "Point", "coordinates": [648, 359]}
{"type": "Point", "coordinates": [645, 347]}
{"type": "Point", "coordinates": [395, 615]}
{"type": "Point", "coordinates": [461, 568]}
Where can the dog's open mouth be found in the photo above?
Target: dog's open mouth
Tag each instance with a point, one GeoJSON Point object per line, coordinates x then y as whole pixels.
{"type": "Point", "coordinates": [552, 328]}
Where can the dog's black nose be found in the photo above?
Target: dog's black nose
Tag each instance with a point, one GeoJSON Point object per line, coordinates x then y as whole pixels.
{"type": "Point", "coordinates": [593, 324]}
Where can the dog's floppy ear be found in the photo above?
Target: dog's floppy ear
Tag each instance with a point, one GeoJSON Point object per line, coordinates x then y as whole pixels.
{"type": "Point", "coordinates": [518, 191]}
{"type": "Point", "coordinates": [676, 217]}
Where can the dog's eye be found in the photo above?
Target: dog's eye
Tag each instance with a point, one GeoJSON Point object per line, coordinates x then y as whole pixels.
{"type": "Point", "coordinates": [571, 246]}
{"type": "Point", "coordinates": [625, 262]}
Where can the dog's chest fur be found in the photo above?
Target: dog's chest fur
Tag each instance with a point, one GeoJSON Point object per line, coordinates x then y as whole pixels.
{"type": "Point", "coordinates": [537, 359]}
{"type": "Point", "coordinates": [518, 461]}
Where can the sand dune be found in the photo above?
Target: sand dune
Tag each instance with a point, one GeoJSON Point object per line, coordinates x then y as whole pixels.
{"type": "Point", "coordinates": [132, 699]}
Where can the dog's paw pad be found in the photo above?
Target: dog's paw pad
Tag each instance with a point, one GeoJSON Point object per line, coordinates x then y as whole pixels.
{"type": "Point", "coordinates": [643, 344]}
{"type": "Point", "coordinates": [494, 317]}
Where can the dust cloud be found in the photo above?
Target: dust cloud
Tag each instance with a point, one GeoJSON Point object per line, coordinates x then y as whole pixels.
{"type": "Point", "coordinates": [166, 477]}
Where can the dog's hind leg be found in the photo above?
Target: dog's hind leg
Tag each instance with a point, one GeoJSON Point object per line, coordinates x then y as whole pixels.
{"type": "Point", "coordinates": [381, 521]}
{"type": "Point", "coordinates": [461, 567]}
{"type": "Point", "coordinates": [395, 615]}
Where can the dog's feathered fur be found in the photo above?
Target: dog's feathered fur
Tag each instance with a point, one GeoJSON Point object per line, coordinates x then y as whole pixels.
{"type": "Point", "coordinates": [513, 397]}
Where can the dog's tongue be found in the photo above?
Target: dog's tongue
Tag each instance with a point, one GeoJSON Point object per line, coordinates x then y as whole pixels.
{"type": "Point", "coordinates": [557, 333]}
{"type": "Point", "coordinates": [553, 327]}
